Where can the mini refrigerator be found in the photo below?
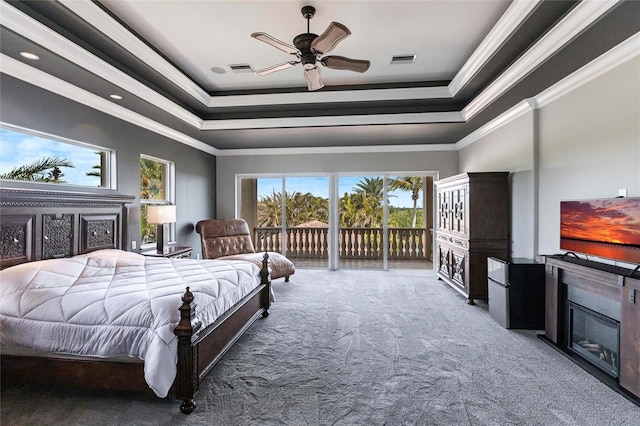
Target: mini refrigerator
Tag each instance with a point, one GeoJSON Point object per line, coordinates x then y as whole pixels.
{"type": "Point", "coordinates": [516, 293]}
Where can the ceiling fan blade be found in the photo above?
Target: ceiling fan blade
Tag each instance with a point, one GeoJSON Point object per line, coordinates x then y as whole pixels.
{"type": "Point", "coordinates": [278, 67]}
{"type": "Point", "coordinates": [312, 75]}
{"type": "Point", "coordinates": [285, 47]}
{"type": "Point", "coordinates": [342, 63]}
{"type": "Point", "coordinates": [326, 41]}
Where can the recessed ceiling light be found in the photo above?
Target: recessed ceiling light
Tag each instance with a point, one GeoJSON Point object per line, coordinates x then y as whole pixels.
{"type": "Point", "coordinates": [117, 97]}
{"type": "Point", "coordinates": [403, 59]}
{"type": "Point", "coordinates": [29, 55]}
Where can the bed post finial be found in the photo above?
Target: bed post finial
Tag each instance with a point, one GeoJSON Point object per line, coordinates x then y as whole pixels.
{"type": "Point", "coordinates": [264, 272]}
{"type": "Point", "coordinates": [187, 377]}
{"type": "Point", "coordinates": [265, 279]}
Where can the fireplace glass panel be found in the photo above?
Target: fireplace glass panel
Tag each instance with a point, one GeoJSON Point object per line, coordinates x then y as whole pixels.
{"type": "Point", "coordinates": [595, 338]}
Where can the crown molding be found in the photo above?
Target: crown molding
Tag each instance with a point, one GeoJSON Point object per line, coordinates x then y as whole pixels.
{"type": "Point", "coordinates": [625, 51]}
{"type": "Point", "coordinates": [39, 78]}
{"type": "Point", "coordinates": [506, 25]}
{"type": "Point", "coordinates": [508, 116]}
{"type": "Point", "coordinates": [337, 150]}
{"type": "Point", "coordinates": [327, 121]}
{"type": "Point", "coordinates": [585, 13]}
{"type": "Point", "coordinates": [23, 24]}
{"type": "Point", "coordinates": [334, 96]}
{"type": "Point", "coordinates": [609, 60]}
{"type": "Point", "coordinates": [576, 21]}
{"type": "Point", "coordinates": [99, 19]}
{"type": "Point", "coordinates": [580, 17]}
{"type": "Point", "coordinates": [618, 55]}
{"type": "Point", "coordinates": [104, 23]}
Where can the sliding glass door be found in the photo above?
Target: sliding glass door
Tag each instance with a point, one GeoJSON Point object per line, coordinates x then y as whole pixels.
{"type": "Point", "coordinates": [307, 220]}
{"type": "Point", "coordinates": [363, 221]}
{"type": "Point", "coordinates": [361, 236]}
{"type": "Point", "coordinates": [409, 212]}
{"type": "Point", "coordinates": [289, 215]}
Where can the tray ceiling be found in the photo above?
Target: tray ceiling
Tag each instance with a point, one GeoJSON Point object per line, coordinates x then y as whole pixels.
{"type": "Point", "coordinates": [171, 62]}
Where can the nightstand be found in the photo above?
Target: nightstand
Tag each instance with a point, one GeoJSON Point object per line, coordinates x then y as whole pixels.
{"type": "Point", "coordinates": [174, 252]}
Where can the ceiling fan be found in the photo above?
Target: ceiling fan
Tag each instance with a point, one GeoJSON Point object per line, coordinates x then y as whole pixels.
{"type": "Point", "coordinates": [309, 48]}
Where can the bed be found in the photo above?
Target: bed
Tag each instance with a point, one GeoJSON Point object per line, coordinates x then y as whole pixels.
{"type": "Point", "coordinates": [111, 319]}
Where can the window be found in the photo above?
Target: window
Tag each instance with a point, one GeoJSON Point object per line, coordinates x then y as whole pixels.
{"type": "Point", "coordinates": [156, 188]}
{"type": "Point", "coordinates": [38, 157]}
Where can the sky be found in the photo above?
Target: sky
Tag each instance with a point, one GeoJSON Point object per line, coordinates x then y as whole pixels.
{"type": "Point", "coordinates": [18, 149]}
{"type": "Point", "coordinates": [319, 186]}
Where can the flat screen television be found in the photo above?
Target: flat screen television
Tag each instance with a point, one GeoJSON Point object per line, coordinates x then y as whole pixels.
{"type": "Point", "coordinates": [607, 228]}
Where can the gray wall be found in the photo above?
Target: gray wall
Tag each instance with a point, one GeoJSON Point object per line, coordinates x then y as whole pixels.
{"type": "Point", "coordinates": [589, 146]}
{"type": "Point", "coordinates": [31, 107]}
{"type": "Point", "coordinates": [510, 148]}
{"type": "Point", "coordinates": [586, 144]}
{"type": "Point", "coordinates": [443, 162]}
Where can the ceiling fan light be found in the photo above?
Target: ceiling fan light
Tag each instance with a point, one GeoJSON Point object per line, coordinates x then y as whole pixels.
{"type": "Point", "coordinates": [312, 75]}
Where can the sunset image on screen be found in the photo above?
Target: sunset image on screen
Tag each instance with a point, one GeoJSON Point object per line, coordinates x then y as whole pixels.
{"type": "Point", "coordinates": [607, 228]}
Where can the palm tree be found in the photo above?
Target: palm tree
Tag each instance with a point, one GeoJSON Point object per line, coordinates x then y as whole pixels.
{"type": "Point", "coordinates": [303, 208]}
{"type": "Point", "coordinates": [36, 171]}
{"type": "Point", "coordinates": [413, 184]}
{"type": "Point", "coordinates": [372, 186]}
{"type": "Point", "coordinates": [270, 210]}
{"type": "Point", "coordinates": [360, 210]}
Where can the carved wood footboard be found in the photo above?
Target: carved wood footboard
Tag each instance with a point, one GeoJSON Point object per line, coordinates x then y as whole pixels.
{"type": "Point", "coordinates": [199, 350]}
{"type": "Point", "coordinates": [37, 225]}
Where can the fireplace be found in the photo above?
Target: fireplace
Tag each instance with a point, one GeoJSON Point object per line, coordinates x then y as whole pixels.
{"type": "Point", "coordinates": [592, 315]}
{"type": "Point", "coordinates": [593, 329]}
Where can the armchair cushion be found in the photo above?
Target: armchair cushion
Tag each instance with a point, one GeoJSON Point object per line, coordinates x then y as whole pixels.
{"type": "Point", "coordinates": [230, 239]}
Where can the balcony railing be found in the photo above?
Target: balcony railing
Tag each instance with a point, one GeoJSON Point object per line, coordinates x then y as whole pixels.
{"type": "Point", "coordinates": [353, 243]}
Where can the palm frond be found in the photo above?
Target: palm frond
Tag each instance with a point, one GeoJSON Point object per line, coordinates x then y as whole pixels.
{"type": "Point", "coordinates": [36, 170]}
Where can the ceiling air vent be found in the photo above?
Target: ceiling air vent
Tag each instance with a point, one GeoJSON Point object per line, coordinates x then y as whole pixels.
{"type": "Point", "coordinates": [241, 68]}
{"type": "Point", "coordinates": [403, 59]}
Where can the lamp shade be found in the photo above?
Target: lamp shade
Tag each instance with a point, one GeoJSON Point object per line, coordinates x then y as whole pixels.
{"type": "Point", "coordinates": [161, 214]}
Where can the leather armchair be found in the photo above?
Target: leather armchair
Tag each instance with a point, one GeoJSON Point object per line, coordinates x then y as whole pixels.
{"type": "Point", "coordinates": [230, 239]}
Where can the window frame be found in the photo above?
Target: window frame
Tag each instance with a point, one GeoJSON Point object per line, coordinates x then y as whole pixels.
{"type": "Point", "coordinates": [169, 186]}
{"type": "Point", "coordinates": [108, 178]}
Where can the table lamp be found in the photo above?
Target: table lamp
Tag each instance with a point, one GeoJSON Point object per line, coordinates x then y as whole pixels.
{"type": "Point", "coordinates": [161, 215]}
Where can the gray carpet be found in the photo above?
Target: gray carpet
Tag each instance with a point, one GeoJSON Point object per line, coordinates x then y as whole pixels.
{"type": "Point", "coordinates": [362, 348]}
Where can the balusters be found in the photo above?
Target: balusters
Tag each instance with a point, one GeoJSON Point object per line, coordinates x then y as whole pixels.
{"type": "Point", "coordinates": [353, 243]}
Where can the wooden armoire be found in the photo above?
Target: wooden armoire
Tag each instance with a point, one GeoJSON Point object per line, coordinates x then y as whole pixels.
{"type": "Point", "coordinates": [473, 211]}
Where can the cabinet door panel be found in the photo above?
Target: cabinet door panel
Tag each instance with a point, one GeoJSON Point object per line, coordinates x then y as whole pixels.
{"type": "Point", "coordinates": [443, 210]}
{"type": "Point", "coordinates": [459, 267]}
{"type": "Point", "coordinates": [443, 260]}
{"type": "Point", "coordinates": [459, 210]}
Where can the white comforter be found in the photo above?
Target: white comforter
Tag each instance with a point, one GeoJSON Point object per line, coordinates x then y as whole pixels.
{"type": "Point", "coordinates": [111, 303]}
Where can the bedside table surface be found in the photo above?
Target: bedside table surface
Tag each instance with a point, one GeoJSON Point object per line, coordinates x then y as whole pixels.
{"type": "Point", "coordinates": [169, 251]}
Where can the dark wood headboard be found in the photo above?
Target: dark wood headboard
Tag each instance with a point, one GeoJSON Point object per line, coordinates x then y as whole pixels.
{"type": "Point", "coordinates": [36, 225]}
